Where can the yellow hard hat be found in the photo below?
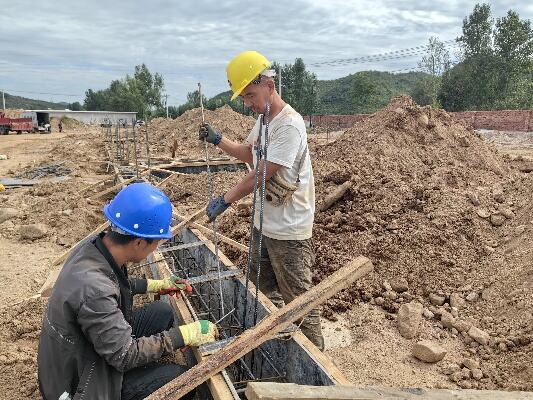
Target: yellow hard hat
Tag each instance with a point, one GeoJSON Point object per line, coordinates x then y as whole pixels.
{"type": "Point", "coordinates": [243, 69]}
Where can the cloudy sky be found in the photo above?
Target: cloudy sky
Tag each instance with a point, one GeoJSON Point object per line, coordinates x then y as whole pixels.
{"type": "Point", "coordinates": [55, 50]}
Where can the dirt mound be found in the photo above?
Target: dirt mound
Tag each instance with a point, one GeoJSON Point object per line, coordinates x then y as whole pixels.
{"type": "Point", "coordinates": [59, 213]}
{"type": "Point", "coordinates": [85, 152]}
{"type": "Point", "coordinates": [441, 211]}
{"type": "Point", "coordinates": [184, 130]}
{"type": "Point", "coordinates": [21, 327]}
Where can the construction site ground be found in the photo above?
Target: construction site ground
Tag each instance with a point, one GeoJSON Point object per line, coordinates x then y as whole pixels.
{"type": "Point", "coordinates": [444, 212]}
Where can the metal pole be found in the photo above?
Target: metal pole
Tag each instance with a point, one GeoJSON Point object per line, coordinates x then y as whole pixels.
{"type": "Point", "coordinates": [148, 151]}
{"type": "Point", "coordinates": [3, 101]}
{"type": "Point", "coordinates": [135, 147]}
{"type": "Point", "coordinates": [166, 103]}
{"type": "Point", "coordinates": [279, 90]}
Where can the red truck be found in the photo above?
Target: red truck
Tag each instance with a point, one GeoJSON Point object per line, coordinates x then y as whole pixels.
{"type": "Point", "coordinates": [19, 125]}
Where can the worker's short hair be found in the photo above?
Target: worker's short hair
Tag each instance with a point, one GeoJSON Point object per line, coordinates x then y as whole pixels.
{"type": "Point", "coordinates": [121, 239]}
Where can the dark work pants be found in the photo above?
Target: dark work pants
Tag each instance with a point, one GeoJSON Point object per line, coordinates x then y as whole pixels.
{"type": "Point", "coordinates": [140, 382]}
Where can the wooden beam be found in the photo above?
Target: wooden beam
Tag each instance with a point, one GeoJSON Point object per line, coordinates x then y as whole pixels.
{"type": "Point", "coordinates": [292, 391]}
{"type": "Point", "coordinates": [208, 231]}
{"type": "Point", "coordinates": [186, 221]}
{"type": "Point", "coordinates": [118, 185]}
{"type": "Point", "coordinates": [266, 329]}
{"type": "Point", "coordinates": [217, 385]}
{"type": "Point", "coordinates": [200, 163]}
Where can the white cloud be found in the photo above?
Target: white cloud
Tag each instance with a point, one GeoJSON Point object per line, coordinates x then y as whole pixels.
{"type": "Point", "coordinates": [65, 47]}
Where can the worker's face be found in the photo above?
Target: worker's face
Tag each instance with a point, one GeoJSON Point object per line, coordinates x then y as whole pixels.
{"type": "Point", "coordinates": [256, 96]}
{"type": "Point", "coordinates": [140, 249]}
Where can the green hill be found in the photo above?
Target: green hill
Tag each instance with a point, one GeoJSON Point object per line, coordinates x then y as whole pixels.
{"type": "Point", "coordinates": [338, 96]}
{"type": "Point", "coordinates": [31, 104]}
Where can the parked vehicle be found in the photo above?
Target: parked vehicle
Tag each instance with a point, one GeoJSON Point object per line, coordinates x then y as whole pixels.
{"type": "Point", "coordinates": [18, 125]}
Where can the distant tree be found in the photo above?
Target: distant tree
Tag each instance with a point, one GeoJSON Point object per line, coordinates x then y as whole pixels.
{"type": "Point", "coordinates": [141, 92]}
{"type": "Point", "coordinates": [477, 30]}
{"type": "Point", "coordinates": [435, 62]}
{"type": "Point", "coordinates": [76, 106]}
{"type": "Point", "coordinates": [365, 94]}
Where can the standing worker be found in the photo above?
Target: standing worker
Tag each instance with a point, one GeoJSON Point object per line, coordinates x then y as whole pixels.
{"type": "Point", "coordinates": [93, 344]}
{"type": "Point", "coordinates": [287, 252]}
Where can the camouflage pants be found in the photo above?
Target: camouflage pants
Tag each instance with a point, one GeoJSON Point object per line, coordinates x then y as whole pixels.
{"type": "Point", "coordinates": [285, 274]}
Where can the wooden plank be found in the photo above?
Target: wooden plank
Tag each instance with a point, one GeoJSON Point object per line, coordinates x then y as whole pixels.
{"type": "Point", "coordinates": [216, 384]}
{"type": "Point", "coordinates": [117, 186]}
{"type": "Point", "coordinates": [208, 231]}
{"type": "Point", "coordinates": [201, 163]}
{"type": "Point", "coordinates": [266, 329]}
{"type": "Point", "coordinates": [292, 391]}
{"type": "Point", "coordinates": [186, 221]}
{"type": "Point", "coordinates": [93, 185]}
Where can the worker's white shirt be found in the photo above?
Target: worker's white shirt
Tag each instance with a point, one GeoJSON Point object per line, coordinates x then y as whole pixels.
{"type": "Point", "coordinates": [286, 146]}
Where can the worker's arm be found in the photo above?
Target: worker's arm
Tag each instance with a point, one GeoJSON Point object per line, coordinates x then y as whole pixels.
{"type": "Point", "coordinates": [238, 150]}
{"type": "Point", "coordinates": [246, 185]}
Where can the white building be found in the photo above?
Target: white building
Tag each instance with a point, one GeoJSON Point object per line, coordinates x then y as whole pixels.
{"type": "Point", "coordinates": [87, 117]}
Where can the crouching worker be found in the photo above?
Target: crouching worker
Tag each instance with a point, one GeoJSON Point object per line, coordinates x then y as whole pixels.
{"type": "Point", "coordinates": [93, 344]}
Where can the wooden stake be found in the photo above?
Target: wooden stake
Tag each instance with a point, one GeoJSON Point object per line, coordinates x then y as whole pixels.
{"type": "Point", "coordinates": [266, 329]}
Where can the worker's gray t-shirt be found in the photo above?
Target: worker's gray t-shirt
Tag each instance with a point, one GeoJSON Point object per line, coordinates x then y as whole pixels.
{"type": "Point", "coordinates": [287, 145]}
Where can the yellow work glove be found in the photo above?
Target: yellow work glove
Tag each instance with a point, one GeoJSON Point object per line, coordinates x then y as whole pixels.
{"type": "Point", "coordinates": [169, 285]}
{"type": "Point", "coordinates": [198, 332]}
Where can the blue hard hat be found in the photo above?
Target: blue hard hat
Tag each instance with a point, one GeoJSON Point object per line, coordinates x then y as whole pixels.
{"type": "Point", "coordinates": [141, 210]}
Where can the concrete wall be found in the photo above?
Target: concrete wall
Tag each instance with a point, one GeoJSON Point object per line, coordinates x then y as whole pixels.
{"type": "Point", "coordinates": [88, 117]}
{"type": "Point", "coordinates": [93, 118]}
{"type": "Point", "coordinates": [503, 120]}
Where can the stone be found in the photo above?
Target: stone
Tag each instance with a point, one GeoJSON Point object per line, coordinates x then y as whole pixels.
{"type": "Point", "coordinates": [428, 351]}
{"type": "Point", "coordinates": [502, 346]}
{"type": "Point", "coordinates": [67, 212]}
{"type": "Point", "coordinates": [33, 231]}
{"type": "Point", "coordinates": [390, 295]}
{"type": "Point", "coordinates": [423, 120]}
{"type": "Point", "coordinates": [456, 376]}
{"type": "Point", "coordinates": [454, 311]}
{"type": "Point", "coordinates": [386, 285]}
{"type": "Point", "coordinates": [8, 213]}
{"type": "Point", "coordinates": [409, 318]}
{"type": "Point", "coordinates": [436, 300]}
{"type": "Point", "coordinates": [456, 300]}
{"type": "Point", "coordinates": [506, 212]}
{"type": "Point", "coordinates": [427, 314]}
{"type": "Point", "coordinates": [399, 285]}
{"type": "Point", "coordinates": [470, 363]}
{"type": "Point", "coordinates": [379, 301]}
{"type": "Point", "coordinates": [461, 326]}
{"type": "Point", "coordinates": [474, 199]}
{"type": "Point", "coordinates": [497, 219]}
{"type": "Point", "coordinates": [472, 296]}
{"type": "Point", "coordinates": [479, 335]}
{"type": "Point", "coordinates": [447, 320]}
{"type": "Point", "coordinates": [450, 368]}
{"type": "Point", "coordinates": [463, 141]}
{"type": "Point", "coordinates": [477, 374]}
{"type": "Point", "coordinates": [497, 195]}
{"type": "Point", "coordinates": [465, 384]}
{"type": "Point", "coordinates": [483, 213]}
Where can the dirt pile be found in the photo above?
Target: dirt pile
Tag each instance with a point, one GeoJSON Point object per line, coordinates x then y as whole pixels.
{"type": "Point", "coordinates": [52, 212]}
{"type": "Point", "coordinates": [86, 153]}
{"type": "Point", "coordinates": [446, 220]}
{"type": "Point", "coordinates": [184, 130]}
{"type": "Point", "coordinates": [21, 327]}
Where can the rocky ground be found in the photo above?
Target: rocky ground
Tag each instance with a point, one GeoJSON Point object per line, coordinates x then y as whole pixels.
{"type": "Point", "coordinates": [445, 216]}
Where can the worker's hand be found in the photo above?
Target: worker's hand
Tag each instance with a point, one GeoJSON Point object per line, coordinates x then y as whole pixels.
{"type": "Point", "coordinates": [210, 134]}
{"type": "Point", "coordinates": [198, 332]}
{"type": "Point", "coordinates": [170, 285]}
{"type": "Point", "coordinates": [216, 207]}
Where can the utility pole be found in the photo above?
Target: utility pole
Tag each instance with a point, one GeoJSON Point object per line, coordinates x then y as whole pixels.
{"type": "Point", "coordinates": [279, 90]}
{"type": "Point", "coordinates": [3, 101]}
{"type": "Point", "coordinates": [166, 103]}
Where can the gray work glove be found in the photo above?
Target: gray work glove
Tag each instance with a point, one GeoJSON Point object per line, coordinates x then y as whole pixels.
{"type": "Point", "coordinates": [210, 134]}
